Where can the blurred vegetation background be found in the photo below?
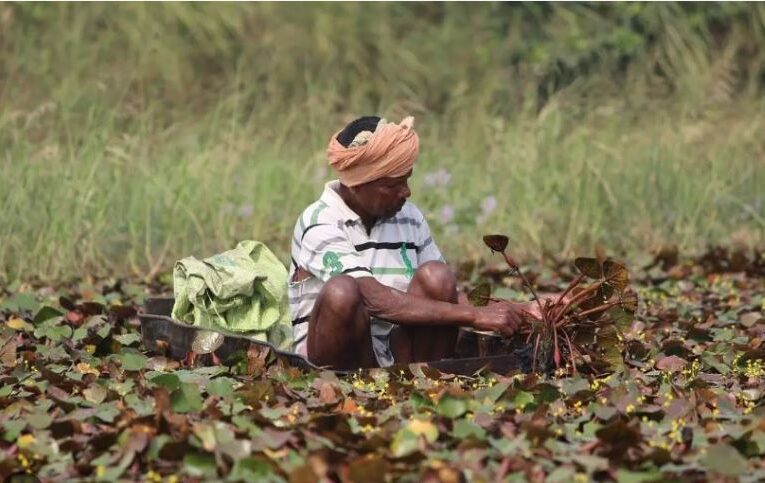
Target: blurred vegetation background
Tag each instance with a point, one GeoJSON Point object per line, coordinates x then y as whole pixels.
{"type": "Point", "coordinates": [134, 134]}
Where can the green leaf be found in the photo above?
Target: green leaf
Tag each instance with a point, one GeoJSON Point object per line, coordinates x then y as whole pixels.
{"type": "Point", "coordinates": [128, 339]}
{"type": "Point", "coordinates": [492, 392]}
{"type": "Point", "coordinates": [418, 400]}
{"type": "Point", "coordinates": [39, 420]}
{"type": "Point", "coordinates": [250, 469]}
{"type": "Point", "coordinates": [46, 313]}
{"type": "Point", "coordinates": [13, 428]}
{"type": "Point", "coordinates": [199, 465]}
{"type": "Point", "coordinates": [20, 302]}
{"type": "Point", "coordinates": [95, 393]}
{"type": "Point", "coordinates": [221, 386]}
{"type": "Point", "coordinates": [480, 295]}
{"type": "Point", "coordinates": [404, 443]}
{"type": "Point", "coordinates": [451, 407]}
{"type": "Point", "coordinates": [169, 380]}
{"type": "Point", "coordinates": [52, 331]}
{"type": "Point", "coordinates": [464, 428]}
{"type": "Point", "coordinates": [626, 476]}
{"type": "Point", "coordinates": [522, 398]}
{"type": "Point", "coordinates": [724, 459]}
{"type": "Point", "coordinates": [133, 361]}
{"type": "Point", "coordinates": [186, 398]}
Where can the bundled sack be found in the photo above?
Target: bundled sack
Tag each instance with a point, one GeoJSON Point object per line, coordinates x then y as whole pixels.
{"type": "Point", "coordinates": [243, 290]}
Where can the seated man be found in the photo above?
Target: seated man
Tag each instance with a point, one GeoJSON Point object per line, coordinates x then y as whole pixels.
{"type": "Point", "coordinates": [368, 285]}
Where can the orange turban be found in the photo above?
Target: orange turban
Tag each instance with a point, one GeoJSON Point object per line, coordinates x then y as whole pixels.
{"type": "Point", "coordinates": [390, 152]}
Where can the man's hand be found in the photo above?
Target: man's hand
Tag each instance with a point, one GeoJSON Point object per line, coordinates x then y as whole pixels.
{"type": "Point", "coordinates": [504, 318]}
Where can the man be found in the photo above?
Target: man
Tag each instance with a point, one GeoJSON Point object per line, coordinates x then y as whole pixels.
{"type": "Point", "coordinates": [368, 286]}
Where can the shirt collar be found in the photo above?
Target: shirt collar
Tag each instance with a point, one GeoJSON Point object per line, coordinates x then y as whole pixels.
{"type": "Point", "coordinates": [332, 198]}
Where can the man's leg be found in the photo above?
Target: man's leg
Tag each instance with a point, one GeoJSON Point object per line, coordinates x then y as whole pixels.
{"type": "Point", "coordinates": [433, 280]}
{"type": "Point", "coordinates": [338, 332]}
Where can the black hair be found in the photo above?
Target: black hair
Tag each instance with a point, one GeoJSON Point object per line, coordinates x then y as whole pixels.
{"type": "Point", "coordinates": [365, 123]}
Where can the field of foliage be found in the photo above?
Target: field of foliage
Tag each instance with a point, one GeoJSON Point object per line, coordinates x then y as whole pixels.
{"type": "Point", "coordinates": [136, 134]}
{"type": "Point", "coordinates": [80, 398]}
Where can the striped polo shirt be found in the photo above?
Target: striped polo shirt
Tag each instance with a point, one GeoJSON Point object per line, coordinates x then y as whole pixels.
{"type": "Point", "coordinates": [330, 239]}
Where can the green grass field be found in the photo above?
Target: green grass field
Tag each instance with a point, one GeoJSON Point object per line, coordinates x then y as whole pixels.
{"type": "Point", "coordinates": [134, 135]}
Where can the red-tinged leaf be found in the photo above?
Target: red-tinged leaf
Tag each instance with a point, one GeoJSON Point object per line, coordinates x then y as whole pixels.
{"type": "Point", "coordinates": [589, 267]}
{"type": "Point", "coordinates": [327, 393]}
{"type": "Point", "coordinates": [616, 275]}
{"type": "Point", "coordinates": [671, 363]}
{"type": "Point", "coordinates": [497, 243]}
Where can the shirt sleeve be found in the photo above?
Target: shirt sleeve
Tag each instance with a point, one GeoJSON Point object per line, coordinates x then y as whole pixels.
{"type": "Point", "coordinates": [325, 251]}
{"type": "Point", "coordinates": [427, 250]}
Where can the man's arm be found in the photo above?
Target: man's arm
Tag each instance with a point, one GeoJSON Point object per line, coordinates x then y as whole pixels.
{"type": "Point", "coordinates": [407, 309]}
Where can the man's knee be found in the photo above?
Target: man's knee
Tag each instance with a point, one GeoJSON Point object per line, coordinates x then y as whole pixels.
{"type": "Point", "coordinates": [437, 280]}
{"type": "Point", "coordinates": [340, 294]}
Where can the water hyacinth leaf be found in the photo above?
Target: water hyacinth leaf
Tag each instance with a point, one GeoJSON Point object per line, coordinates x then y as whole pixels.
{"type": "Point", "coordinates": [133, 361]}
{"type": "Point", "coordinates": [407, 439]}
{"type": "Point", "coordinates": [21, 302]}
{"type": "Point", "coordinates": [616, 275]}
{"type": "Point", "coordinates": [609, 344]}
{"type": "Point", "coordinates": [628, 300]}
{"type": "Point", "coordinates": [725, 460]}
{"type": "Point", "coordinates": [464, 429]}
{"type": "Point", "coordinates": [220, 386]}
{"type": "Point", "coordinates": [95, 393]}
{"type": "Point", "coordinates": [589, 267]}
{"type": "Point", "coordinates": [13, 428]}
{"type": "Point", "coordinates": [404, 443]}
{"type": "Point", "coordinates": [497, 243]}
{"type": "Point", "coordinates": [492, 393]}
{"type": "Point", "coordinates": [46, 313]}
{"type": "Point", "coordinates": [52, 331]}
{"type": "Point", "coordinates": [522, 398]}
{"type": "Point", "coordinates": [200, 465]}
{"type": "Point", "coordinates": [626, 476]}
{"type": "Point", "coordinates": [619, 435]}
{"type": "Point", "coordinates": [128, 339]}
{"type": "Point", "coordinates": [170, 381]}
{"type": "Point", "coordinates": [451, 407]}
{"type": "Point", "coordinates": [671, 363]}
{"type": "Point", "coordinates": [622, 319]}
{"type": "Point", "coordinates": [186, 398]}
{"type": "Point", "coordinates": [480, 295]}
{"type": "Point", "coordinates": [251, 469]}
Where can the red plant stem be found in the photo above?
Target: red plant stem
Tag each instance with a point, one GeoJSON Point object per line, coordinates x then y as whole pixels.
{"type": "Point", "coordinates": [558, 313]}
{"type": "Point", "coordinates": [598, 309]}
{"type": "Point", "coordinates": [511, 263]}
{"type": "Point", "coordinates": [577, 298]}
{"type": "Point", "coordinates": [570, 350]}
{"type": "Point", "coordinates": [556, 352]}
{"type": "Point", "coordinates": [570, 287]}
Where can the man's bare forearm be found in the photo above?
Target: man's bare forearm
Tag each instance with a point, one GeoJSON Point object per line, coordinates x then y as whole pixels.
{"type": "Point", "coordinates": [407, 309]}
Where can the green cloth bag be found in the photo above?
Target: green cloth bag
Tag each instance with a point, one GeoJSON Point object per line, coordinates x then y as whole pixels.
{"type": "Point", "coordinates": [243, 290]}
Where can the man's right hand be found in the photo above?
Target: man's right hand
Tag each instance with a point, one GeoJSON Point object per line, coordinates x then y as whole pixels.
{"type": "Point", "coordinates": [504, 318]}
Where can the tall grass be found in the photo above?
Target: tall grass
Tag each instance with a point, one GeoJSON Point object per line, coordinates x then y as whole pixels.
{"type": "Point", "coordinates": [132, 135]}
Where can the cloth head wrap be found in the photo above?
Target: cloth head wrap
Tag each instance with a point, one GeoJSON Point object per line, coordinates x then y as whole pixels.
{"type": "Point", "coordinates": [388, 152]}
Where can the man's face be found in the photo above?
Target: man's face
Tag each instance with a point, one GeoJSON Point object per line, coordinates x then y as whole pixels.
{"type": "Point", "coordinates": [384, 197]}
